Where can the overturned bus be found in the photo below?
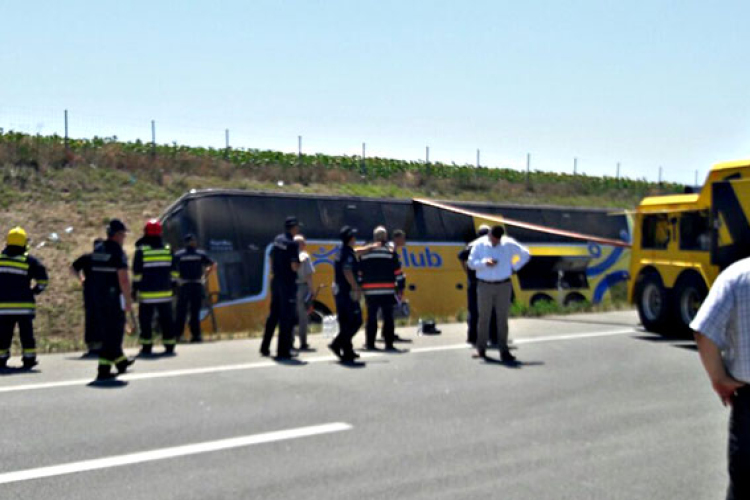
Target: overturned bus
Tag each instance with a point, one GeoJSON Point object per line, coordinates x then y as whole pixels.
{"type": "Point", "coordinates": [236, 228]}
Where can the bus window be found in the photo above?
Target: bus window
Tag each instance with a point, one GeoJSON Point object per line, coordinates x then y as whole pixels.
{"type": "Point", "coordinates": [655, 232]}
{"type": "Point", "coordinates": [694, 231]}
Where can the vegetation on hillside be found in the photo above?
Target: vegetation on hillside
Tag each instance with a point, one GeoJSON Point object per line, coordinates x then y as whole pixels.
{"type": "Point", "coordinates": [63, 195]}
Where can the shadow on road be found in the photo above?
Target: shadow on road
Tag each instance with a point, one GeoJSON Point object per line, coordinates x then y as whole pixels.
{"type": "Point", "coordinates": [17, 370]}
{"type": "Point", "coordinates": [107, 384]}
{"type": "Point", "coordinates": [587, 322]}
{"type": "Point", "coordinates": [290, 362]}
{"type": "Point", "coordinates": [511, 364]}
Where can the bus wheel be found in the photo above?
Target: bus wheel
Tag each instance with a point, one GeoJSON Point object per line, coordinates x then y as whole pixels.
{"type": "Point", "coordinates": [689, 293]}
{"type": "Point", "coordinates": [653, 303]}
{"type": "Point", "coordinates": [540, 298]}
{"type": "Point", "coordinates": [573, 299]}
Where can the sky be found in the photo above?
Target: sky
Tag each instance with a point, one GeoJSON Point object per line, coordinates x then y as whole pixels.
{"type": "Point", "coordinates": [649, 84]}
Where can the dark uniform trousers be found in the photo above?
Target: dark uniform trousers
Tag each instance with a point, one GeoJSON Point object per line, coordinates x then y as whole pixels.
{"type": "Point", "coordinates": [473, 319]}
{"type": "Point", "coordinates": [739, 446]}
{"type": "Point", "coordinates": [284, 314]}
{"type": "Point", "coordinates": [349, 315]}
{"type": "Point", "coordinates": [189, 300]}
{"type": "Point", "coordinates": [385, 304]}
{"type": "Point", "coordinates": [109, 324]}
{"type": "Point", "coordinates": [90, 335]}
{"type": "Point", "coordinates": [26, 330]}
{"type": "Point", "coordinates": [145, 320]}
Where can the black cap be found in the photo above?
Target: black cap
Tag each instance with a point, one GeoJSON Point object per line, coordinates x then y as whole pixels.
{"type": "Point", "coordinates": [291, 222]}
{"type": "Point", "coordinates": [116, 226]}
{"type": "Point", "coordinates": [346, 233]}
{"type": "Point", "coordinates": [189, 237]}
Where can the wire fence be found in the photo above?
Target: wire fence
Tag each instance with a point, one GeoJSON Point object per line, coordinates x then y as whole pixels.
{"type": "Point", "coordinates": [184, 131]}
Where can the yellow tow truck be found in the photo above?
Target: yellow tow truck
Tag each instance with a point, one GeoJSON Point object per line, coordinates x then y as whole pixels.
{"type": "Point", "coordinates": [682, 242]}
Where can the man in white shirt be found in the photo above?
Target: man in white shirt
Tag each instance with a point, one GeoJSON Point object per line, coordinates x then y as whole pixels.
{"type": "Point", "coordinates": [722, 333]}
{"type": "Point", "coordinates": [495, 258]}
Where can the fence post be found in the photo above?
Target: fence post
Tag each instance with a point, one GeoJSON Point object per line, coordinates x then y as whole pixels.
{"type": "Point", "coordinates": [479, 163]}
{"type": "Point", "coordinates": [299, 149]}
{"type": "Point", "coordinates": [226, 140]}
{"type": "Point", "coordinates": [618, 172]}
{"type": "Point", "coordinates": [67, 147]}
{"type": "Point", "coordinates": [528, 170]}
{"type": "Point", "coordinates": [364, 160]}
{"type": "Point", "coordinates": [427, 154]}
{"type": "Point", "coordinates": [575, 166]}
{"type": "Point", "coordinates": [153, 139]}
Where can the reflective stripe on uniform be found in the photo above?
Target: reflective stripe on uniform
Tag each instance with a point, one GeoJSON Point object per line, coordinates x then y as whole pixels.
{"type": "Point", "coordinates": [137, 277]}
{"type": "Point", "coordinates": [379, 292]}
{"type": "Point", "coordinates": [377, 255]}
{"type": "Point", "coordinates": [145, 341]}
{"type": "Point", "coordinates": [104, 269]}
{"type": "Point", "coordinates": [105, 362]}
{"type": "Point", "coordinates": [169, 341]}
{"type": "Point", "coordinates": [12, 270]}
{"type": "Point", "coordinates": [374, 286]}
{"type": "Point", "coordinates": [29, 353]}
{"type": "Point", "coordinates": [17, 305]}
{"type": "Point", "coordinates": [155, 295]}
{"type": "Point", "coordinates": [4, 353]}
{"type": "Point", "coordinates": [155, 301]}
{"type": "Point", "coordinates": [10, 263]}
{"type": "Point", "coordinates": [165, 263]}
{"type": "Point", "coordinates": [120, 359]}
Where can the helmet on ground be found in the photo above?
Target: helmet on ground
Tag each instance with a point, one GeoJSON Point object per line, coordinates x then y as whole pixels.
{"type": "Point", "coordinates": [17, 237]}
{"type": "Point", "coordinates": [153, 228]}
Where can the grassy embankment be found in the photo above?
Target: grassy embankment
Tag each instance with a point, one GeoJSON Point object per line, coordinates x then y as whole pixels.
{"type": "Point", "coordinates": [48, 189]}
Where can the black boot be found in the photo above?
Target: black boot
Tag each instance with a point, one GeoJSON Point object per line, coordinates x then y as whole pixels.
{"type": "Point", "coordinates": [169, 349]}
{"type": "Point", "coordinates": [104, 373]}
{"type": "Point", "coordinates": [122, 366]}
{"type": "Point", "coordinates": [29, 363]}
{"type": "Point", "coordinates": [145, 350]}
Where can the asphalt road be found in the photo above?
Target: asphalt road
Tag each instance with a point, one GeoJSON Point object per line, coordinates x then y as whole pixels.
{"type": "Point", "coordinates": [596, 409]}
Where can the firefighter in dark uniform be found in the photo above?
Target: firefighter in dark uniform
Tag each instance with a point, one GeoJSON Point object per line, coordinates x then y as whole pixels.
{"type": "Point", "coordinates": [347, 294]}
{"type": "Point", "coordinates": [17, 305]}
{"type": "Point", "coordinates": [380, 268]}
{"type": "Point", "coordinates": [154, 277]}
{"type": "Point", "coordinates": [284, 264]}
{"type": "Point", "coordinates": [110, 294]}
{"type": "Point", "coordinates": [81, 270]}
{"type": "Point", "coordinates": [193, 266]}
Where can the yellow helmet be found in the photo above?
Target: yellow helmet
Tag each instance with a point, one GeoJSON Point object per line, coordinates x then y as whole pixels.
{"type": "Point", "coordinates": [17, 237]}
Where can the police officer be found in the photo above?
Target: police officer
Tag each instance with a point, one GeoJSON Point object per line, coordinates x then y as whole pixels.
{"type": "Point", "coordinates": [380, 268]}
{"type": "Point", "coordinates": [347, 294]}
{"type": "Point", "coordinates": [81, 270]}
{"type": "Point", "coordinates": [17, 305]}
{"type": "Point", "coordinates": [193, 266]}
{"type": "Point", "coordinates": [284, 263]}
{"type": "Point", "coordinates": [110, 294]}
{"type": "Point", "coordinates": [154, 276]}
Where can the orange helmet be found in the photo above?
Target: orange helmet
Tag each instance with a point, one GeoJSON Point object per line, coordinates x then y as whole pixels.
{"type": "Point", "coordinates": [153, 228]}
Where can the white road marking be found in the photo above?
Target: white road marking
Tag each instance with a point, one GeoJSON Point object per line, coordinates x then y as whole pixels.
{"type": "Point", "coordinates": [315, 359]}
{"type": "Point", "coordinates": [174, 452]}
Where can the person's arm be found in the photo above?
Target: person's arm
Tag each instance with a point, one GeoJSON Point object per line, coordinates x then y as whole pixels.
{"type": "Point", "coordinates": [75, 269]}
{"type": "Point", "coordinates": [209, 265]}
{"type": "Point", "coordinates": [521, 252]}
{"type": "Point", "coordinates": [294, 251]}
{"type": "Point", "coordinates": [723, 384]}
{"type": "Point", "coordinates": [137, 275]}
{"type": "Point", "coordinates": [476, 257]}
{"type": "Point", "coordinates": [122, 277]}
{"type": "Point", "coordinates": [39, 273]}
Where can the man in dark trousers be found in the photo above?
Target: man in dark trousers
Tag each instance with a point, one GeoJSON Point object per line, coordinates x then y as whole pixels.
{"type": "Point", "coordinates": [81, 270]}
{"type": "Point", "coordinates": [284, 264]}
{"type": "Point", "coordinates": [110, 293]}
{"type": "Point", "coordinates": [380, 268]}
{"type": "Point", "coordinates": [347, 294]}
{"type": "Point", "coordinates": [471, 292]}
{"type": "Point", "coordinates": [193, 266]}
{"type": "Point", "coordinates": [18, 270]}
{"type": "Point", "coordinates": [154, 277]}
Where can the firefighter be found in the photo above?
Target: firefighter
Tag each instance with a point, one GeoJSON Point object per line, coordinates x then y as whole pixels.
{"type": "Point", "coordinates": [347, 293]}
{"type": "Point", "coordinates": [193, 266]}
{"type": "Point", "coordinates": [154, 277]}
{"type": "Point", "coordinates": [285, 263]}
{"type": "Point", "coordinates": [110, 294]}
{"type": "Point", "coordinates": [17, 305]}
{"type": "Point", "coordinates": [81, 270]}
{"type": "Point", "coordinates": [381, 268]}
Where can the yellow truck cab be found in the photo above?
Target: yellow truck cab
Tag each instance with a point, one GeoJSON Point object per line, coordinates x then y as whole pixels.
{"type": "Point", "coordinates": [682, 242]}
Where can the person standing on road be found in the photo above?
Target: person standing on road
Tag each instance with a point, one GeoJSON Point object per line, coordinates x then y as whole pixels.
{"type": "Point", "coordinates": [193, 268]}
{"type": "Point", "coordinates": [154, 277]}
{"type": "Point", "coordinates": [305, 290]}
{"type": "Point", "coordinates": [495, 258]}
{"type": "Point", "coordinates": [397, 245]}
{"type": "Point", "coordinates": [110, 287]}
{"type": "Point", "coordinates": [380, 269]}
{"type": "Point", "coordinates": [284, 263]}
{"type": "Point", "coordinates": [722, 333]}
{"type": "Point", "coordinates": [18, 270]}
{"type": "Point", "coordinates": [81, 270]}
{"type": "Point", "coordinates": [471, 292]}
{"type": "Point", "coordinates": [347, 294]}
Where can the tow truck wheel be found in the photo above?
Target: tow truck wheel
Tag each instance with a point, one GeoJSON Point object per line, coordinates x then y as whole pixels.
{"type": "Point", "coordinates": [689, 293]}
{"type": "Point", "coordinates": [653, 303]}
